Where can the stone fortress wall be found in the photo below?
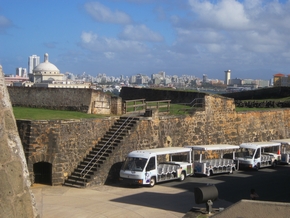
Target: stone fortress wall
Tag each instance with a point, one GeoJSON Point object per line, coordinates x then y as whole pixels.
{"type": "Point", "coordinates": [63, 143]}
{"type": "Point", "coordinates": [84, 100]}
{"type": "Point", "coordinates": [16, 198]}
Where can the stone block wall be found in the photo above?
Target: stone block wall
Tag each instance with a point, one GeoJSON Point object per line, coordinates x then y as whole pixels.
{"type": "Point", "coordinates": [83, 100]}
{"type": "Point", "coordinates": [62, 143]}
{"type": "Point", "coordinates": [16, 198]}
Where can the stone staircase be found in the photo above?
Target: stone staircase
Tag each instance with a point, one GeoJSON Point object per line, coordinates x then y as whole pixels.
{"type": "Point", "coordinates": [89, 166]}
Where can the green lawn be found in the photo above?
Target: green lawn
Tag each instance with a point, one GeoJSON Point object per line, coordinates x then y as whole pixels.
{"type": "Point", "coordinates": [238, 109]}
{"type": "Point", "coordinates": [46, 114]}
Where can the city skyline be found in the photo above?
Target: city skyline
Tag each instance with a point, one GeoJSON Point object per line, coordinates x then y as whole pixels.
{"type": "Point", "coordinates": [118, 37]}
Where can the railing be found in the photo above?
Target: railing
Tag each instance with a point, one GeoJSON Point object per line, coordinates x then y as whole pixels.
{"type": "Point", "coordinates": [140, 105]}
{"type": "Point", "coordinates": [195, 103]}
{"type": "Point", "coordinates": [133, 105]}
{"type": "Point", "coordinates": [87, 169]}
{"type": "Point", "coordinates": [159, 105]}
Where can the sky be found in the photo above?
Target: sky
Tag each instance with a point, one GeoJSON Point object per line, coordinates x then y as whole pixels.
{"type": "Point", "coordinates": [129, 37]}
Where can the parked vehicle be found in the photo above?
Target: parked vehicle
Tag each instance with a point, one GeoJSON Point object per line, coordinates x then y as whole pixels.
{"type": "Point", "coordinates": [257, 155]}
{"type": "Point", "coordinates": [213, 159]}
{"type": "Point", "coordinates": [148, 167]}
{"type": "Point", "coordinates": [285, 150]}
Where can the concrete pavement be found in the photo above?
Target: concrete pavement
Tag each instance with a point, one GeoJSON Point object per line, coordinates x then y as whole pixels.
{"type": "Point", "coordinates": [115, 201]}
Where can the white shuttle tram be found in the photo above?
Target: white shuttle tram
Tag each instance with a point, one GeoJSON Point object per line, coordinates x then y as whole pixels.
{"type": "Point", "coordinates": [258, 155]}
{"type": "Point", "coordinates": [148, 167]}
{"type": "Point", "coordinates": [285, 150]}
{"type": "Point", "coordinates": [213, 159]}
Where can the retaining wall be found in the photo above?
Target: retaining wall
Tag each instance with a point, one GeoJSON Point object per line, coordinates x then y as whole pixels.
{"type": "Point", "coordinates": [65, 143]}
{"type": "Point", "coordinates": [83, 100]}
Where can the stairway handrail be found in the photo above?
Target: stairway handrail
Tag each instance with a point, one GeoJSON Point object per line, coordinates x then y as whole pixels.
{"type": "Point", "coordinates": [117, 131]}
{"type": "Point", "coordinates": [195, 103]}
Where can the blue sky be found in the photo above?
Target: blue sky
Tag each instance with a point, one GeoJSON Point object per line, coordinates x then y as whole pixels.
{"type": "Point", "coordinates": [129, 37]}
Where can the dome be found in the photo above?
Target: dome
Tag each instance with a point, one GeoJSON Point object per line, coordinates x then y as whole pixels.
{"type": "Point", "coordinates": [46, 66]}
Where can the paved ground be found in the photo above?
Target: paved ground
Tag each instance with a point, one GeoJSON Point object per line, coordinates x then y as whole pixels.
{"type": "Point", "coordinates": [114, 201]}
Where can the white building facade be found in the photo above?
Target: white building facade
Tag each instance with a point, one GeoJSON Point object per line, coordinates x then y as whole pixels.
{"type": "Point", "coordinates": [33, 61]}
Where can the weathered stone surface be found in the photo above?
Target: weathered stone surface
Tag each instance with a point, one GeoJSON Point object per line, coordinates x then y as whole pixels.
{"type": "Point", "coordinates": [16, 199]}
{"type": "Point", "coordinates": [83, 100]}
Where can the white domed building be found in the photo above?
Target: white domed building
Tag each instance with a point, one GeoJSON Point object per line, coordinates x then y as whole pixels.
{"type": "Point", "coordinates": [48, 75]}
{"type": "Point", "coordinates": [46, 72]}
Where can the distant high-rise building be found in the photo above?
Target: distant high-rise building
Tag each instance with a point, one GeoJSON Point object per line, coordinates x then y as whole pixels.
{"type": "Point", "coordinates": [33, 61]}
{"type": "Point", "coordinates": [204, 78]}
{"type": "Point", "coordinates": [21, 72]}
{"type": "Point", "coordinates": [162, 73]}
{"type": "Point", "coordinates": [227, 77]}
{"type": "Point", "coordinates": [133, 79]}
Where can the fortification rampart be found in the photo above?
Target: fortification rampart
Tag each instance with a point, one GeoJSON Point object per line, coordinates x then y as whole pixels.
{"type": "Point", "coordinates": [84, 100]}
{"type": "Point", "coordinates": [65, 143]}
{"type": "Point", "coordinates": [16, 198]}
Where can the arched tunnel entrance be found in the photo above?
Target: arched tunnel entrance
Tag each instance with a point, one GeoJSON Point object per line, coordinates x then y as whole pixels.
{"type": "Point", "coordinates": [42, 173]}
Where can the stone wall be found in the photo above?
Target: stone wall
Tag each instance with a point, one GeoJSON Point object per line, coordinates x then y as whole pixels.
{"type": "Point", "coordinates": [218, 124]}
{"type": "Point", "coordinates": [64, 143]}
{"type": "Point", "coordinates": [83, 100]}
{"type": "Point", "coordinates": [16, 198]}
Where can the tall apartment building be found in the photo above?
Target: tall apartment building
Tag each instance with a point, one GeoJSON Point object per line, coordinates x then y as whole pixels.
{"type": "Point", "coordinates": [227, 77]}
{"type": "Point", "coordinates": [21, 72]}
{"type": "Point", "coordinates": [33, 61]}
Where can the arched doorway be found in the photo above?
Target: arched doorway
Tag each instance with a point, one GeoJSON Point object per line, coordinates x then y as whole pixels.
{"type": "Point", "coordinates": [42, 173]}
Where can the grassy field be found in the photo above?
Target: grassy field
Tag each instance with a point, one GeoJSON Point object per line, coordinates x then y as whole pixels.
{"type": "Point", "coordinates": [239, 109]}
{"type": "Point", "coordinates": [23, 113]}
{"type": "Point", "coordinates": [46, 114]}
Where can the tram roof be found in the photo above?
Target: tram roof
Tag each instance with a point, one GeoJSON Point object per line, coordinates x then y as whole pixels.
{"type": "Point", "coordinates": [212, 147]}
{"type": "Point", "coordinates": [159, 151]}
{"type": "Point", "coordinates": [255, 145]}
{"type": "Point", "coordinates": [283, 141]}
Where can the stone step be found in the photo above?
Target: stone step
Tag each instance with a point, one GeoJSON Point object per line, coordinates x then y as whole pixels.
{"type": "Point", "coordinates": [96, 157]}
{"type": "Point", "coordinates": [94, 162]}
{"type": "Point", "coordinates": [92, 168]}
{"type": "Point", "coordinates": [105, 152]}
{"type": "Point", "coordinates": [117, 134]}
{"type": "Point", "coordinates": [77, 174]}
{"type": "Point", "coordinates": [108, 144]}
{"type": "Point", "coordinates": [75, 183]}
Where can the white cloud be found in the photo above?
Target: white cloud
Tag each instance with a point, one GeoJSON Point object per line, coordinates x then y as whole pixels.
{"type": "Point", "coordinates": [226, 14]}
{"type": "Point", "coordinates": [109, 55]}
{"type": "Point", "coordinates": [88, 37]}
{"type": "Point", "coordinates": [92, 42]}
{"type": "Point", "coordinates": [102, 13]}
{"type": "Point", "coordinates": [140, 33]}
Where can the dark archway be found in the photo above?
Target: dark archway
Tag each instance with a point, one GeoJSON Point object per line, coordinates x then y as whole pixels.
{"type": "Point", "coordinates": [42, 173]}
